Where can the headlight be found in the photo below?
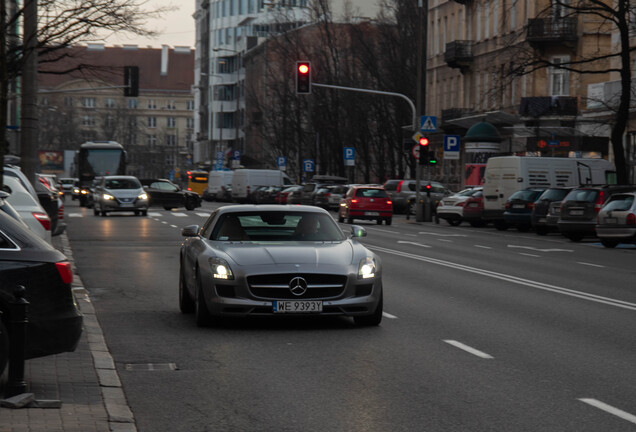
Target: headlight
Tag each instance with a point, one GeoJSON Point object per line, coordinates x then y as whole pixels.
{"type": "Point", "coordinates": [366, 269]}
{"type": "Point", "coordinates": [221, 269]}
{"type": "Point", "coordinates": [108, 197]}
{"type": "Point", "coordinates": [143, 196]}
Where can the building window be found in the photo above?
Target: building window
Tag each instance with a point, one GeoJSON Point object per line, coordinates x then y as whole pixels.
{"type": "Point", "coordinates": [190, 123]}
{"type": "Point", "coordinates": [68, 101]}
{"type": "Point", "coordinates": [132, 103]}
{"type": "Point", "coordinates": [171, 122]}
{"type": "Point", "coordinates": [559, 78]}
{"type": "Point", "coordinates": [190, 105]}
{"type": "Point", "coordinates": [171, 140]}
{"type": "Point", "coordinates": [109, 103]}
{"type": "Point", "coordinates": [171, 105]}
{"type": "Point", "coordinates": [88, 121]}
{"type": "Point", "coordinates": [152, 122]}
{"type": "Point", "coordinates": [151, 140]}
{"type": "Point", "coordinates": [152, 104]}
{"type": "Point", "coordinates": [88, 102]}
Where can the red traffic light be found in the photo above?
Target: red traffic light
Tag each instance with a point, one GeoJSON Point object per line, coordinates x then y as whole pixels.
{"type": "Point", "coordinates": [423, 141]}
{"type": "Point", "coordinates": [303, 77]}
{"type": "Point", "coordinates": [428, 187]}
{"type": "Point", "coordinates": [303, 68]}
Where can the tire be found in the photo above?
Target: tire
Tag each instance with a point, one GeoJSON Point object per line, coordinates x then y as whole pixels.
{"type": "Point", "coordinates": [189, 204]}
{"type": "Point", "coordinates": [454, 222]}
{"type": "Point", "coordinates": [167, 207]}
{"type": "Point", "coordinates": [388, 221]}
{"type": "Point", "coordinates": [202, 315]}
{"type": "Point", "coordinates": [349, 220]}
{"type": "Point", "coordinates": [379, 221]}
{"type": "Point", "coordinates": [476, 224]}
{"type": "Point", "coordinates": [4, 347]}
{"type": "Point", "coordinates": [340, 218]}
{"type": "Point", "coordinates": [523, 228]}
{"type": "Point", "coordinates": [144, 212]}
{"type": "Point", "coordinates": [501, 226]}
{"type": "Point", "coordinates": [371, 320]}
{"type": "Point", "coordinates": [575, 237]}
{"type": "Point", "coordinates": [609, 243]}
{"type": "Point", "coordinates": [95, 212]}
{"type": "Point", "coordinates": [410, 208]}
{"type": "Point", "coordinates": [541, 231]}
{"type": "Point", "coordinates": [186, 304]}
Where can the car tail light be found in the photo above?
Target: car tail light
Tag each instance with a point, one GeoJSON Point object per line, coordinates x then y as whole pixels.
{"type": "Point", "coordinates": [60, 212]}
{"type": "Point", "coordinates": [599, 201]}
{"type": "Point", "coordinates": [630, 219]}
{"type": "Point", "coordinates": [354, 201]}
{"type": "Point", "coordinates": [389, 202]}
{"type": "Point", "coordinates": [398, 189]}
{"type": "Point", "coordinates": [530, 205]}
{"type": "Point", "coordinates": [44, 220]}
{"type": "Point", "coordinates": [66, 271]}
{"type": "Point", "coordinates": [507, 204]}
{"type": "Point", "coordinates": [460, 204]}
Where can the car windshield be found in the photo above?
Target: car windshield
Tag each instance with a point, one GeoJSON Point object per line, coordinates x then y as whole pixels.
{"type": "Point", "coordinates": [466, 192]}
{"type": "Point", "coordinates": [588, 195]}
{"type": "Point", "coordinates": [525, 195]}
{"type": "Point", "coordinates": [620, 203]}
{"type": "Point", "coordinates": [122, 184]}
{"type": "Point", "coordinates": [371, 193]}
{"type": "Point", "coordinates": [276, 226]}
{"type": "Point", "coordinates": [554, 194]}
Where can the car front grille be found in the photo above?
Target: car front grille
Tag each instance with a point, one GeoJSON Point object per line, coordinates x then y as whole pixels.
{"type": "Point", "coordinates": [277, 286]}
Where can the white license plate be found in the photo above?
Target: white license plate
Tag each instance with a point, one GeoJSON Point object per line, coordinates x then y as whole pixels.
{"type": "Point", "coordinates": [519, 206]}
{"type": "Point", "coordinates": [126, 204]}
{"type": "Point", "coordinates": [297, 306]}
{"type": "Point", "coordinates": [372, 213]}
{"type": "Point", "coordinates": [576, 212]}
{"type": "Point", "coordinates": [542, 220]}
{"type": "Point", "coordinates": [611, 221]}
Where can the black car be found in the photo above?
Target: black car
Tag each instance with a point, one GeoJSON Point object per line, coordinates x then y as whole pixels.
{"type": "Point", "coordinates": [164, 193]}
{"type": "Point", "coordinates": [519, 208]}
{"type": "Point", "coordinates": [542, 221]}
{"type": "Point", "coordinates": [54, 322]}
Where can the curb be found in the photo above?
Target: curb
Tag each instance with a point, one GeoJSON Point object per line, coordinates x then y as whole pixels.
{"type": "Point", "coordinates": [120, 417]}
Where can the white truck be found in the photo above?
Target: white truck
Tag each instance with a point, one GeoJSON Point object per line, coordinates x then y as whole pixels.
{"type": "Point", "coordinates": [505, 175]}
{"type": "Point", "coordinates": [245, 181]}
{"type": "Point", "coordinates": [217, 180]}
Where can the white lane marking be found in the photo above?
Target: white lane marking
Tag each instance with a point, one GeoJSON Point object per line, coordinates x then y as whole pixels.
{"type": "Point", "coordinates": [388, 315]}
{"type": "Point", "coordinates": [155, 214]}
{"type": "Point", "coordinates": [385, 231]}
{"type": "Point", "coordinates": [610, 409]}
{"type": "Point", "coordinates": [173, 226]}
{"type": "Point", "coordinates": [442, 235]}
{"type": "Point", "coordinates": [483, 247]}
{"type": "Point", "coordinates": [413, 243]}
{"type": "Point", "coordinates": [410, 235]}
{"type": "Point", "coordinates": [164, 222]}
{"type": "Point", "coordinates": [513, 279]}
{"type": "Point", "coordinates": [179, 214]}
{"type": "Point", "coordinates": [540, 250]}
{"type": "Point", "coordinates": [202, 214]}
{"type": "Point", "coordinates": [590, 264]}
{"type": "Point", "coordinates": [529, 255]}
{"type": "Point", "coordinates": [468, 349]}
{"type": "Point", "coordinates": [75, 215]}
{"type": "Point", "coordinates": [445, 240]}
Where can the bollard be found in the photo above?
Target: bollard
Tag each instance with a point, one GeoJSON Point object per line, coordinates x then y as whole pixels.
{"type": "Point", "coordinates": [17, 343]}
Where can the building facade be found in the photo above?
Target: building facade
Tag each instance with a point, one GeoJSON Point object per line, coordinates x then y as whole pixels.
{"type": "Point", "coordinates": [81, 98]}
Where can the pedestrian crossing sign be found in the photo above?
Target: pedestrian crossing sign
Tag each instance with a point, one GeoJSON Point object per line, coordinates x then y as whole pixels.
{"type": "Point", "coordinates": [428, 124]}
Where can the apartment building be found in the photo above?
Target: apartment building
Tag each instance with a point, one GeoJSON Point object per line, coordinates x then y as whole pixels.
{"type": "Point", "coordinates": [81, 98]}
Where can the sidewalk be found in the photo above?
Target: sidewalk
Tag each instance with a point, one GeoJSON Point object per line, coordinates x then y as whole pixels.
{"type": "Point", "coordinates": [83, 386]}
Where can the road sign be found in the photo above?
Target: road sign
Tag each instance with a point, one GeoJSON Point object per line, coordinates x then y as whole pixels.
{"type": "Point", "coordinates": [451, 147]}
{"type": "Point", "coordinates": [416, 137]}
{"type": "Point", "coordinates": [349, 156]}
{"type": "Point", "coordinates": [236, 155]}
{"type": "Point", "coordinates": [308, 165]}
{"type": "Point", "coordinates": [415, 151]}
{"type": "Point", "coordinates": [428, 124]}
{"type": "Point", "coordinates": [281, 163]}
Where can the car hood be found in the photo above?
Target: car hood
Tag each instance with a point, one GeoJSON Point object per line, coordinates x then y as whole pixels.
{"type": "Point", "coordinates": [319, 253]}
{"type": "Point", "coordinates": [124, 193]}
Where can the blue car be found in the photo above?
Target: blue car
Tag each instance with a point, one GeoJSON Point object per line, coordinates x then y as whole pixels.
{"type": "Point", "coordinates": [519, 206]}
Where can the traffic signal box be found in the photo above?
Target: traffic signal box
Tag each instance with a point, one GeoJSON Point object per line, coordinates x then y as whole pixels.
{"type": "Point", "coordinates": [131, 81]}
{"type": "Point", "coordinates": [303, 77]}
{"type": "Point", "coordinates": [424, 151]}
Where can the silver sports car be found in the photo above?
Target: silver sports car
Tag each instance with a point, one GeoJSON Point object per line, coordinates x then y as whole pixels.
{"type": "Point", "coordinates": [277, 260]}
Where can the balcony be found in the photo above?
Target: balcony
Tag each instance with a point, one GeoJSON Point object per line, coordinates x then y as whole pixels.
{"type": "Point", "coordinates": [459, 54]}
{"type": "Point", "coordinates": [543, 31]}
{"type": "Point", "coordinates": [549, 106]}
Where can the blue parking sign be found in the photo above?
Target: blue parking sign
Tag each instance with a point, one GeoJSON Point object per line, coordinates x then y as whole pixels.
{"type": "Point", "coordinates": [308, 165]}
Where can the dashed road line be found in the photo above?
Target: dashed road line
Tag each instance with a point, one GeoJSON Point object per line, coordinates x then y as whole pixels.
{"type": "Point", "coordinates": [468, 349]}
{"type": "Point", "coordinates": [482, 247]}
{"type": "Point", "coordinates": [610, 409]}
{"type": "Point", "coordinates": [388, 315]}
{"type": "Point", "coordinates": [590, 264]}
{"type": "Point", "coordinates": [529, 255]}
{"type": "Point", "coordinates": [413, 243]}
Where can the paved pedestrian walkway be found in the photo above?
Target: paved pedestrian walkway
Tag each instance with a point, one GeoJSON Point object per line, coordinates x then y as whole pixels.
{"type": "Point", "coordinates": [81, 390]}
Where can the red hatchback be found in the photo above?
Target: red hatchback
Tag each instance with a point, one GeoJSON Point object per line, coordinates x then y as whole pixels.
{"type": "Point", "coordinates": [366, 202]}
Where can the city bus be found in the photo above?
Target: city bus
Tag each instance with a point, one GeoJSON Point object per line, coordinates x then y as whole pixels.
{"type": "Point", "coordinates": [97, 158]}
{"type": "Point", "coordinates": [197, 181]}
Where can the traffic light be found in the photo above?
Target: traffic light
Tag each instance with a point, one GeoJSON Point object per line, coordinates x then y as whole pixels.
{"type": "Point", "coordinates": [424, 152]}
{"type": "Point", "coordinates": [131, 81]}
{"type": "Point", "coordinates": [303, 77]}
{"type": "Point", "coordinates": [432, 159]}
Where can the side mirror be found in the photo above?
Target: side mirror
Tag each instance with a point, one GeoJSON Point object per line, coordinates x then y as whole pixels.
{"type": "Point", "coordinates": [190, 231]}
{"type": "Point", "coordinates": [146, 187]}
{"type": "Point", "coordinates": [358, 231]}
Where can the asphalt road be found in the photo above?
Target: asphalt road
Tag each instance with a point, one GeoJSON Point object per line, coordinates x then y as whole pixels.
{"type": "Point", "coordinates": [483, 331]}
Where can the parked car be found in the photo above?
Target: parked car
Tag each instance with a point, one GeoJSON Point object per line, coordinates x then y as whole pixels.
{"type": "Point", "coordinates": [217, 181]}
{"type": "Point", "coordinates": [616, 222]}
{"type": "Point", "coordinates": [518, 208]}
{"type": "Point", "coordinates": [238, 264]}
{"type": "Point", "coordinates": [28, 207]}
{"type": "Point", "coordinates": [451, 208]}
{"type": "Point", "coordinates": [7, 208]}
{"type": "Point", "coordinates": [403, 194]}
{"type": "Point", "coordinates": [286, 196]}
{"type": "Point", "coordinates": [307, 195]}
{"type": "Point", "coordinates": [120, 193]}
{"type": "Point", "coordinates": [364, 202]}
{"type": "Point", "coordinates": [267, 194]}
{"type": "Point", "coordinates": [473, 210]}
{"type": "Point", "coordinates": [580, 208]}
{"type": "Point", "coordinates": [329, 197]}
{"type": "Point", "coordinates": [164, 193]}
{"type": "Point", "coordinates": [54, 324]}
{"type": "Point", "coordinates": [50, 198]}
{"type": "Point", "coordinates": [544, 215]}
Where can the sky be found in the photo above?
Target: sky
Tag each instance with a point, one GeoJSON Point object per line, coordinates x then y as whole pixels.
{"type": "Point", "coordinates": [175, 28]}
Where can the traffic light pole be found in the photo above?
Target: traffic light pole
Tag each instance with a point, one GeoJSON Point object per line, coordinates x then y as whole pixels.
{"type": "Point", "coordinates": [422, 213]}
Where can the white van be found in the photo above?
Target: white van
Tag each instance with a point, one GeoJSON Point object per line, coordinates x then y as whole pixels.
{"type": "Point", "coordinates": [505, 175]}
{"type": "Point", "coordinates": [217, 180]}
{"type": "Point", "coordinates": [246, 181]}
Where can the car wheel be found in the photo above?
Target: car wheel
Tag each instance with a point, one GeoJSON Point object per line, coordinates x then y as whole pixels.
{"type": "Point", "coordinates": [136, 212]}
{"type": "Point", "coordinates": [523, 228]}
{"type": "Point", "coordinates": [541, 231]}
{"type": "Point", "coordinates": [575, 237]}
{"type": "Point", "coordinates": [201, 313]}
{"type": "Point", "coordinates": [388, 221]}
{"type": "Point", "coordinates": [454, 222]}
{"type": "Point", "coordinates": [144, 212]}
{"type": "Point", "coordinates": [4, 347]}
{"type": "Point", "coordinates": [371, 320]}
{"type": "Point", "coordinates": [167, 208]}
{"type": "Point", "coordinates": [340, 218]}
{"type": "Point", "coordinates": [189, 204]}
{"type": "Point", "coordinates": [609, 243]}
{"type": "Point", "coordinates": [95, 212]}
{"type": "Point", "coordinates": [349, 220]}
{"type": "Point", "coordinates": [379, 221]}
{"type": "Point", "coordinates": [501, 226]}
{"type": "Point", "coordinates": [186, 304]}
{"type": "Point", "coordinates": [477, 224]}
{"type": "Point", "coordinates": [411, 208]}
